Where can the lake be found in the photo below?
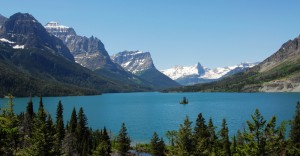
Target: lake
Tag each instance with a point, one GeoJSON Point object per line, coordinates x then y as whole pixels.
{"type": "Point", "coordinates": [144, 113]}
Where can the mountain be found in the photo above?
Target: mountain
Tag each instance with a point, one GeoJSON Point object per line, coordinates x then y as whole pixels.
{"type": "Point", "coordinates": [278, 73]}
{"type": "Point", "coordinates": [91, 53]}
{"type": "Point", "coordinates": [190, 75]}
{"type": "Point", "coordinates": [2, 20]}
{"type": "Point", "coordinates": [36, 62]}
{"type": "Point", "coordinates": [26, 32]}
{"type": "Point", "coordinates": [141, 64]}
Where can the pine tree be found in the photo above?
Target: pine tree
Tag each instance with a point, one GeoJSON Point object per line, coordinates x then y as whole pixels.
{"type": "Point", "coordinates": [256, 128]}
{"type": "Point", "coordinates": [41, 111]}
{"type": "Point", "coordinates": [171, 135]}
{"type": "Point", "coordinates": [73, 122]}
{"type": "Point", "coordinates": [82, 133]}
{"type": "Point", "coordinates": [295, 132]}
{"type": "Point", "coordinates": [69, 145]}
{"type": "Point", "coordinates": [123, 141]}
{"type": "Point", "coordinates": [50, 137]}
{"type": "Point", "coordinates": [212, 143]}
{"type": "Point", "coordinates": [201, 136]}
{"type": "Point", "coordinates": [38, 142]}
{"type": "Point", "coordinates": [154, 144]}
{"type": "Point", "coordinates": [9, 136]}
{"type": "Point", "coordinates": [225, 139]}
{"type": "Point", "coordinates": [104, 146]}
{"type": "Point", "coordinates": [29, 109]}
{"type": "Point", "coordinates": [60, 122]}
{"type": "Point", "coordinates": [184, 145]}
{"type": "Point", "coordinates": [157, 146]}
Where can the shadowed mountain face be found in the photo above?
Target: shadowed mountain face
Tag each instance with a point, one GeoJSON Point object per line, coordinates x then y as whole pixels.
{"type": "Point", "coordinates": [26, 31]}
{"type": "Point", "coordinates": [141, 64]}
{"type": "Point", "coordinates": [278, 73]}
{"type": "Point", "coordinates": [2, 20]}
{"type": "Point", "coordinates": [36, 62]}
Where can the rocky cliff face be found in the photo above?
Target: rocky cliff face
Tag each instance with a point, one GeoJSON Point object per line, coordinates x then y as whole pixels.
{"type": "Point", "coordinates": [26, 31]}
{"type": "Point", "coordinates": [289, 52]}
{"type": "Point", "coordinates": [134, 61]}
{"type": "Point", "coordinates": [88, 52]}
{"type": "Point", "coordinates": [2, 20]}
{"type": "Point", "coordinates": [141, 64]}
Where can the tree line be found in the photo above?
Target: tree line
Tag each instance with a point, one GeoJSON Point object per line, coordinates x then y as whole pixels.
{"type": "Point", "coordinates": [36, 134]}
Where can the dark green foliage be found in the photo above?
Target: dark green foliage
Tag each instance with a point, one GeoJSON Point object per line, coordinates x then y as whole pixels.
{"type": "Point", "coordinates": [123, 141]}
{"type": "Point", "coordinates": [256, 128]}
{"type": "Point", "coordinates": [261, 137]}
{"type": "Point", "coordinates": [60, 121]}
{"type": "Point", "coordinates": [184, 141]}
{"type": "Point", "coordinates": [201, 136]}
{"type": "Point", "coordinates": [73, 122]}
{"type": "Point", "coordinates": [295, 132]}
{"type": "Point", "coordinates": [59, 128]}
{"type": "Point", "coordinates": [212, 139]}
{"type": "Point", "coordinates": [157, 146]}
{"type": "Point", "coordinates": [29, 109]}
{"type": "Point", "coordinates": [224, 139]}
{"type": "Point", "coordinates": [82, 133]}
{"type": "Point", "coordinates": [8, 129]}
{"type": "Point", "coordinates": [104, 146]}
{"type": "Point", "coordinates": [69, 145]}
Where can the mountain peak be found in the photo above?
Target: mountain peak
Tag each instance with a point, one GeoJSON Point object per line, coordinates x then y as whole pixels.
{"type": "Point", "coordinates": [57, 30]}
{"type": "Point", "coordinates": [187, 75]}
{"type": "Point", "coordinates": [134, 61]}
{"type": "Point", "coordinates": [26, 31]}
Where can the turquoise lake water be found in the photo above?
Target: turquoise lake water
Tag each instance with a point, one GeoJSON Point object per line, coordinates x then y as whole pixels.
{"type": "Point", "coordinates": [144, 113]}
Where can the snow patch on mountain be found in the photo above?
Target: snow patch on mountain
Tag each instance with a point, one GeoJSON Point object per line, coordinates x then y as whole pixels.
{"type": "Point", "coordinates": [13, 44]}
{"type": "Point", "coordinates": [56, 27]}
{"type": "Point", "coordinates": [6, 40]}
{"type": "Point", "coordinates": [19, 46]}
{"type": "Point", "coordinates": [197, 72]}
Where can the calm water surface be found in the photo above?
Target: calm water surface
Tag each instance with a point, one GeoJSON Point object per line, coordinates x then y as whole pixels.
{"type": "Point", "coordinates": [144, 113]}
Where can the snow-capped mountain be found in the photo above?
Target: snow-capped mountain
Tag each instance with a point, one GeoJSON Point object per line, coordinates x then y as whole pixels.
{"type": "Point", "coordinates": [189, 75]}
{"type": "Point", "coordinates": [134, 61]}
{"type": "Point", "coordinates": [141, 64]}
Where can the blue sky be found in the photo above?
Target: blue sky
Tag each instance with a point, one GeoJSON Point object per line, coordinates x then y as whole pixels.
{"type": "Point", "coordinates": [215, 33]}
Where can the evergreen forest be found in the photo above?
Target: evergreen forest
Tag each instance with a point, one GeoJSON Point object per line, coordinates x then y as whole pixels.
{"type": "Point", "coordinates": [39, 134]}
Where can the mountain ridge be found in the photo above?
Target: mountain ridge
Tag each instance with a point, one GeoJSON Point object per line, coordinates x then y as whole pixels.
{"type": "Point", "coordinates": [42, 67]}
{"type": "Point", "coordinates": [280, 72]}
{"type": "Point", "coordinates": [189, 75]}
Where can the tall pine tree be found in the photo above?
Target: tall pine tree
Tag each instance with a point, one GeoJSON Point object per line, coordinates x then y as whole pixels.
{"type": "Point", "coordinates": [225, 139]}
{"type": "Point", "coordinates": [201, 136]}
{"type": "Point", "coordinates": [184, 141]}
{"type": "Point", "coordinates": [123, 141]}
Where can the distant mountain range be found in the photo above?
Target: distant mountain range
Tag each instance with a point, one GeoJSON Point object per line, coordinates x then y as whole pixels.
{"type": "Point", "coordinates": [189, 75]}
{"type": "Point", "coordinates": [278, 73]}
{"type": "Point", "coordinates": [141, 64]}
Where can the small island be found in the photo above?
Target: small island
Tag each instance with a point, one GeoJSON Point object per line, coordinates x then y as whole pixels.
{"type": "Point", "coordinates": [184, 101]}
